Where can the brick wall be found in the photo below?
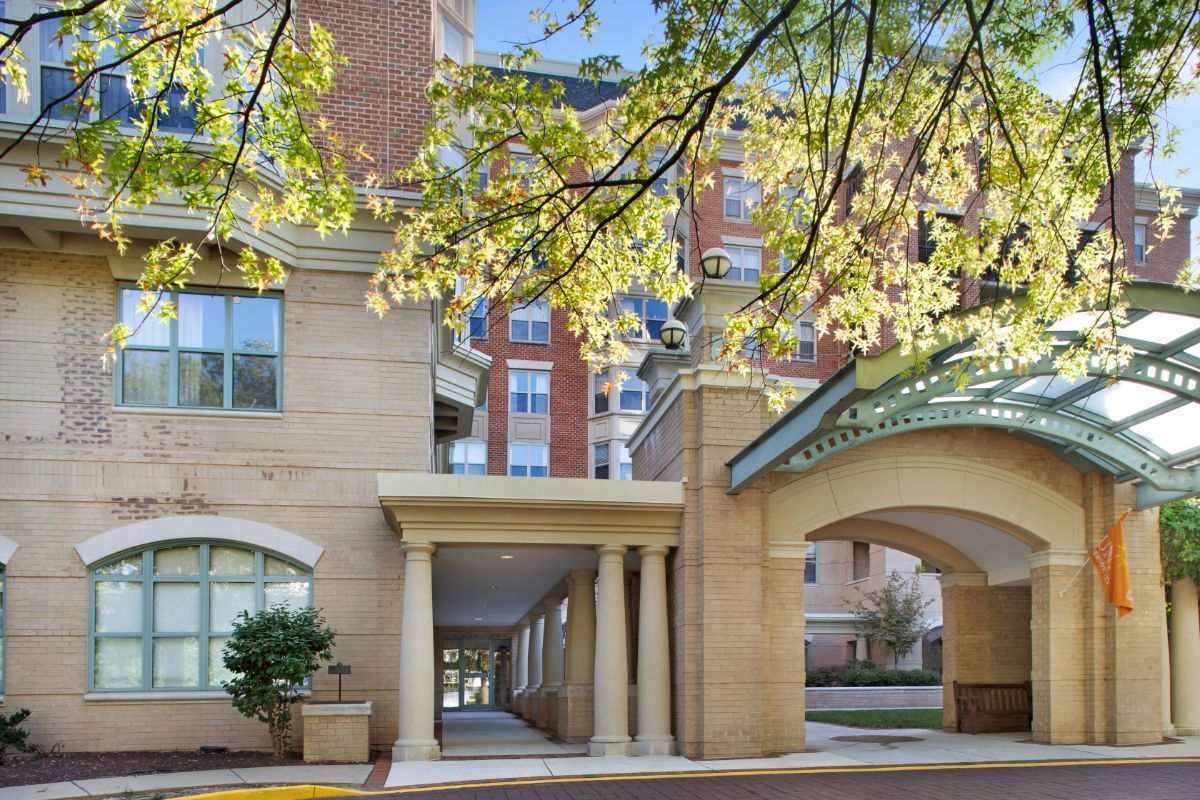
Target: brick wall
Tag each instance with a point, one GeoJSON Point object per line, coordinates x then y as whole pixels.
{"type": "Point", "coordinates": [356, 401]}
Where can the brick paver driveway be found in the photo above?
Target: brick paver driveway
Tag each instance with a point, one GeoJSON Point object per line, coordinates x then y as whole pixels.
{"type": "Point", "coordinates": [1091, 781]}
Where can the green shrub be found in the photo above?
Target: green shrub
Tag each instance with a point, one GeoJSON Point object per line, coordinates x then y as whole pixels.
{"type": "Point", "coordinates": [271, 655]}
{"type": "Point", "coordinates": [12, 735]}
{"type": "Point", "coordinates": [864, 673]}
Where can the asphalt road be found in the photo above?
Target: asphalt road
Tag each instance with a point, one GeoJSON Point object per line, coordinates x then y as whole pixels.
{"type": "Point", "coordinates": [1099, 780]}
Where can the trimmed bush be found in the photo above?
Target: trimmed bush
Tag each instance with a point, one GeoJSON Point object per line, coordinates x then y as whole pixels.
{"type": "Point", "coordinates": [864, 673]}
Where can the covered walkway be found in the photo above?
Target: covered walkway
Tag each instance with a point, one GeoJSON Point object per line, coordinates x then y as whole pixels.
{"type": "Point", "coordinates": [484, 734]}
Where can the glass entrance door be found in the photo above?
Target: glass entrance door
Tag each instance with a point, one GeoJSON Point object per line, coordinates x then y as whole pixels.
{"type": "Point", "coordinates": [468, 674]}
{"type": "Point", "coordinates": [477, 675]}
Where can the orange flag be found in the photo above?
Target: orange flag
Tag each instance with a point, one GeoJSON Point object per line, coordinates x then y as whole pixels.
{"type": "Point", "coordinates": [1112, 565]}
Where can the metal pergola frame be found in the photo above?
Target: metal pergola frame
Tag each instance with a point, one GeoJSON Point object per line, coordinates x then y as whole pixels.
{"type": "Point", "coordinates": [877, 396]}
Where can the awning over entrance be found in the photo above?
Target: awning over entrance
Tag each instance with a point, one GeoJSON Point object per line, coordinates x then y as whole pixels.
{"type": "Point", "coordinates": [1140, 423]}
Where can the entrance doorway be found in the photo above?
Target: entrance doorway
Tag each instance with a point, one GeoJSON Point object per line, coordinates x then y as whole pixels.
{"type": "Point", "coordinates": [475, 674]}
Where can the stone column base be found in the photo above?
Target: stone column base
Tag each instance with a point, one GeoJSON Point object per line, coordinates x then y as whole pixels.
{"type": "Point", "coordinates": [550, 710]}
{"type": "Point", "coordinates": [575, 712]}
{"type": "Point", "coordinates": [413, 750]}
{"type": "Point", "coordinates": [654, 747]}
{"type": "Point", "coordinates": [1182, 731]}
{"type": "Point", "coordinates": [609, 749]}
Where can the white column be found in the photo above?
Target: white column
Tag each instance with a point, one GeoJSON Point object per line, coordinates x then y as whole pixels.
{"type": "Point", "coordinates": [860, 648]}
{"type": "Point", "coordinates": [416, 742]}
{"type": "Point", "coordinates": [654, 659]}
{"type": "Point", "coordinates": [1168, 728]}
{"type": "Point", "coordinates": [536, 623]}
{"type": "Point", "coordinates": [610, 735]}
{"type": "Point", "coordinates": [552, 644]}
{"type": "Point", "coordinates": [581, 627]}
{"type": "Point", "coordinates": [522, 654]}
{"type": "Point", "coordinates": [1185, 658]}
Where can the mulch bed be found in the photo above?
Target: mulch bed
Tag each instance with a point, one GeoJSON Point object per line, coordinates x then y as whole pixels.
{"type": "Point", "coordinates": [17, 770]}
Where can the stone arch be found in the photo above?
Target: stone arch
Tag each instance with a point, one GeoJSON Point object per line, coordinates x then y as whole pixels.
{"type": "Point", "coordinates": [940, 554]}
{"type": "Point", "coordinates": [140, 535]}
{"type": "Point", "coordinates": [1020, 506]}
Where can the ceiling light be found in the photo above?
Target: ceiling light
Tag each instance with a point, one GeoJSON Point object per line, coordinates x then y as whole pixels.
{"type": "Point", "coordinates": [479, 619]}
{"type": "Point", "coordinates": [493, 587]}
{"type": "Point", "coordinates": [506, 557]}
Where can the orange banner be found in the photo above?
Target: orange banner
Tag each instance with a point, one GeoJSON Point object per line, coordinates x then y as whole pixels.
{"type": "Point", "coordinates": [1112, 565]}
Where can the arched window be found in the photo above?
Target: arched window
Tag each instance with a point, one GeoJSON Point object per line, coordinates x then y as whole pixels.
{"type": "Point", "coordinates": [160, 617]}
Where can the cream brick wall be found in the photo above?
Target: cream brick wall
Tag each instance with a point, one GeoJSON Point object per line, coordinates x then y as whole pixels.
{"type": "Point", "coordinates": [356, 401]}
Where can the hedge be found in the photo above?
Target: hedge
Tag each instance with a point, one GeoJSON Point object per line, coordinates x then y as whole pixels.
{"type": "Point", "coordinates": [858, 674]}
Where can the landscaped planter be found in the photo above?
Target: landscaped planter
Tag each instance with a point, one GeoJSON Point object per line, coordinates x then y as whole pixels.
{"type": "Point", "coordinates": [337, 731]}
{"type": "Point", "coordinates": [846, 698]}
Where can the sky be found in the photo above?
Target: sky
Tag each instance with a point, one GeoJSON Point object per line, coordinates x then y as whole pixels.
{"type": "Point", "coordinates": [626, 24]}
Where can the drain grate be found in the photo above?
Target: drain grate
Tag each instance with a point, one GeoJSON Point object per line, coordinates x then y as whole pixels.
{"type": "Point", "coordinates": [877, 739]}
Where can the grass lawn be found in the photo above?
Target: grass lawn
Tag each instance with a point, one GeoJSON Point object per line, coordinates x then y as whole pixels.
{"type": "Point", "coordinates": [882, 718]}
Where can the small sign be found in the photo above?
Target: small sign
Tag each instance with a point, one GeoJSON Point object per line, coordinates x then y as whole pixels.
{"type": "Point", "coordinates": [339, 669]}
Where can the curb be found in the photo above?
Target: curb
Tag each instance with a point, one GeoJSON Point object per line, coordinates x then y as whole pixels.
{"type": "Point", "coordinates": [307, 791]}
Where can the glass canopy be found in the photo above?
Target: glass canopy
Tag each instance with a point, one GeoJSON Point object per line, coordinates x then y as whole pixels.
{"type": "Point", "coordinates": [1140, 422]}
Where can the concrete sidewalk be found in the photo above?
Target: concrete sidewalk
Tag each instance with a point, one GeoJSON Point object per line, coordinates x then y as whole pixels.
{"type": "Point", "coordinates": [826, 748]}
{"type": "Point", "coordinates": [325, 774]}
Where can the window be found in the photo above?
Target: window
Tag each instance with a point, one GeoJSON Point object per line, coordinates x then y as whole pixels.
{"type": "Point", "coordinates": [1139, 242]}
{"type": "Point", "coordinates": [523, 165]}
{"type": "Point", "coordinates": [741, 196]}
{"type": "Point", "coordinates": [528, 392]}
{"type": "Point", "coordinates": [681, 254]}
{"type": "Point", "coordinates": [600, 461]}
{"type": "Point", "coordinates": [600, 387]}
{"type": "Point", "coordinates": [925, 243]}
{"type": "Point", "coordinates": [626, 462]}
{"type": "Point", "coordinates": [530, 323]}
{"type": "Point", "coordinates": [651, 312]}
{"type": "Point", "coordinates": [454, 42]}
{"type": "Point", "coordinates": [746, 263]}
{"type": "Point", "coordinates": [477, 324]}
{"type": "Point", "coordinates": [806, 338]}
{"type": "Point", "coordinates": [468, 458]}
{"type": "Point", "coordinates": [223, 351]}
{"type": "Point", "coordinates": [855, 184]}
{"type": "Point", "coordinates": [635, 395]}
{"type": "Point", "coordinates": [160, 618]}
{"type": "Point", "coordinates": [810, 563]}
{"type": "Point", "coordinates": [175, 111]}
{"type": "Point", "coordinates": [861, 561]}
{"type": "Point", "coordinates": [58, 80]}
{"type": "Point", "coordinates": [528, 460]}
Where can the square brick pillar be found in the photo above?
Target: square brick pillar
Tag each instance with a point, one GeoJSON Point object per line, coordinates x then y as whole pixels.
{"type": "Point", "coordinates": [1060, 671]}
{"type": "Point", "coordinates": [783, 689]}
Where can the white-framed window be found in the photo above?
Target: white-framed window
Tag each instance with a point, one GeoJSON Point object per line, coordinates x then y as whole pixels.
{"type": "Point", "coordinates": [523, 165]}
{"type": "Point", "coordinates": [160, 617]}
{"type": "Point", "coordinates": [806, 338]}
{"type": "Point", "coordinates": [741, 196]}
{"type": "Point", "coordinates": [529, 460]}
{"type": "Point", "coordinates": [810, 563]}
{"type": "Point", "coordinates": [530, 323]}
{"type": "Point", "coordinates": [1139, 242]}
{"type": "Point", "coordinates": [626, 463]}
{"type": "Point", "coordinates": [468, 458]}
{"type": "Point", "coordinates": [600, 461]}
{"type": "Point", "coordinates": [652, 313]}
{"type": "Point", "coordinates": [528, 392]}
{"type": "Point", "coordinates": [56, 80]}
{"type": "Point", "coordinates": [635, 395]}
{"type": "Point", "coordinates": [600, 388]}
{"type": "Point", "coordinates": [746, 262]}
{"type": "Point", "coordinates": [454, 42]}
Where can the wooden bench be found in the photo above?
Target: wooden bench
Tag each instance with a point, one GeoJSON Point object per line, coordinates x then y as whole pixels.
{"type": "Point", "coordinates": [993, 707]}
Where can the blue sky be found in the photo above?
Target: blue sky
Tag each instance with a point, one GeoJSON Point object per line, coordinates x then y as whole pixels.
{"type": "Point", "coordinates": [626, 24]}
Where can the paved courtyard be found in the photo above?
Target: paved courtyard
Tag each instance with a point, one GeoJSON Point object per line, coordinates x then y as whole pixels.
{"type": "Point", "coordinates": [1100, 780]}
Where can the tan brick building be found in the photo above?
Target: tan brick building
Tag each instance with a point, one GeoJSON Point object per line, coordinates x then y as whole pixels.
{"type": "Point", "coordinates": [284, 449]}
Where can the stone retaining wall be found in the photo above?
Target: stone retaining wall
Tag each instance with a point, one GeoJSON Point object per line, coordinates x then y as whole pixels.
{"type": "Point", "coordinates": [871, 697]}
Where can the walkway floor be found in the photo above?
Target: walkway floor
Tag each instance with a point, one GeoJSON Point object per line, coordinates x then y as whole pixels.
{"type": "Point", "coordinates": [480, 734]}
{"type": "Point", "coordinates": [827, 747]}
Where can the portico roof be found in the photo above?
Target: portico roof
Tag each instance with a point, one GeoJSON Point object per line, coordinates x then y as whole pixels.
{"type": "Point", "coordinates": [1139, 422]}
